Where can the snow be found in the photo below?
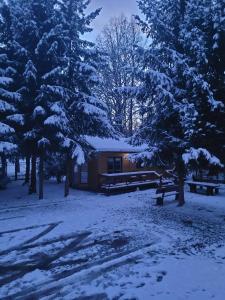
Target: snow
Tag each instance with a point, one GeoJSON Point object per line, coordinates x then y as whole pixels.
{"type": "Point", "coordinates": [58, 121]}
{"type": "Point", "coordinates": [117, 247]}
{"type": "Point", "coordinates": [7, 147]}
{"type": "Point", "coordinates": [111, 145]}
{"type": "Point", "coordinates": [78, 154]}
{"type": "Point", "coordinates": [10, 95]}
{"type": "Point", "coordinates": [56, 108]}
{"type": "Point", "coordinates": [90, 109]}
{"type": "Point", "coordinates": [131, 173]}
{"type": "Point", "coordinates": [195, 154]}
{"type": "Point", "coordinates": [4, 106]}
{"type": "Point", "coordinates": [30, 71]}
{"type": "Point", "coordinates": [5, 129]}
{"type": "Point", "coordinates": [56, 90]}
{"type": "Point", "coordinates": [53, 73]}
{"type": "Point", "coordinates": [38, 111]}
{"type": "Point", "coordinates": [84, 67]}
{"type": "Point", "coordinates": [42, 143]}
{"type": "Point", "coordinates": [17, 118]}
{"type": "Point", "coordinates": [198, 183]}
{"type": "Point", "coordinates": [144, 155]}
{"type": "Point", "coordinates": [5, 80]}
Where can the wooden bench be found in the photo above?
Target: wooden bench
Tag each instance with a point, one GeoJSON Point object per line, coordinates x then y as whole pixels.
{"type": "Point", "coordinates": [166, 191]}
{"type": "Point", "coordinates": [210, 187]}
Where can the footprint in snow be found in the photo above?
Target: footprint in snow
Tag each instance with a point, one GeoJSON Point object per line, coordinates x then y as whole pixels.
{"type": "Point", "coordinates": [160, 276]}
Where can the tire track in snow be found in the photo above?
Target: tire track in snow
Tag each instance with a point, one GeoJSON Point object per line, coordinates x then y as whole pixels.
{"type": "Point", "coordinates": [44, 262]}
{"type": "Point", "coordinates": [50, 227]}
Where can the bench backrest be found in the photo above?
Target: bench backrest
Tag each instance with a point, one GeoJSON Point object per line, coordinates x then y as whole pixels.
{"type": "Point", "coordinates": [167, 189]}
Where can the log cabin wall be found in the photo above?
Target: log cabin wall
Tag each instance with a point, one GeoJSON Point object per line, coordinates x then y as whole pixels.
{"type": "Point", "coordinates": [93, 180]}
{"type": "Point", "coordinates": [98, 164]}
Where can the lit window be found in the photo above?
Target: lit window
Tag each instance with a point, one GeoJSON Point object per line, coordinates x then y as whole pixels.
{"type": "Point", "coordinates": [114, 164]}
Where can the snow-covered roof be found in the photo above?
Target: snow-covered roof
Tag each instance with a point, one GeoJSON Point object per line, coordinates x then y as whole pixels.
{"type": "Point", "coordinates": [112, 145]}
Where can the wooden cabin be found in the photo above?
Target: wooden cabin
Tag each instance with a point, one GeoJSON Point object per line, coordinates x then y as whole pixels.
{"type": "Point", "coordinates": [109, 164]}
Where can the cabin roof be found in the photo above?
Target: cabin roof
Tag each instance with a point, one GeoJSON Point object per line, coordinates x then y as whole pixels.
{"type": "Point", "coordinates": [112, 145]}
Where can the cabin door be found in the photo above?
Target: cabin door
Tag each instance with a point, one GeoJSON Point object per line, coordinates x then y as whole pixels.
{"type": "Point", "coordinates": [84, 174]}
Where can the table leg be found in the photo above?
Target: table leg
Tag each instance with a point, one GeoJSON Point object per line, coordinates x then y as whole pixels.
{"type": "Point", "coordinates": [159, 201]}
{"type": "Point", "coordinates": [209, 191]}
{"type": "Point", "coordinates": [192, 188]}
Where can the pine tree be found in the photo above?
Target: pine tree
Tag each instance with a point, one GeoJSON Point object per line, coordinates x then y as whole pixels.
{"type": "Point", "coordinates": [35, 33]}
{"type": "Point", "coordinates": [179, 99]}
{"type": "Point", "coordinates": [8, 99]}
{"type": "Point", "coordinates": [86, 113]}
{"type": "Point", "coordinates": [17, 57]}
{"type": "Point", "coordinates": [203, 39]}
{"type": "Point", "coordinates": [58, 105]}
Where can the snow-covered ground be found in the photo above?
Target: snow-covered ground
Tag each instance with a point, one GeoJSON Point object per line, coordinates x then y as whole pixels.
{"type": "Point", "coordinates": [91, 246]}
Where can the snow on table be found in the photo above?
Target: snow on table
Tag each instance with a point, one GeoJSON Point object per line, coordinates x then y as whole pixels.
{"type": "Point", "coordinates": [202, 183]}
{"type": "Point", "coordinates": [138, 173]}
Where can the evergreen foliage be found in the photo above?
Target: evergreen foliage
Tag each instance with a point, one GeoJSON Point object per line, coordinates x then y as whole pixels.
{"type": "Point", "coordinates": [59, 73]}
{"type": "Point", "coordinates": [181, 83]}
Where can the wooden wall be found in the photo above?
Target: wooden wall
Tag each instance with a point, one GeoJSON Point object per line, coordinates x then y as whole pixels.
{"type": "Point", "coordinates": [98, 164]}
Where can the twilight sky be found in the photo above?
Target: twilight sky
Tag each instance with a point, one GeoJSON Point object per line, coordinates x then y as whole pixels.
{"type": "Point", "coordinates": [111, 8]}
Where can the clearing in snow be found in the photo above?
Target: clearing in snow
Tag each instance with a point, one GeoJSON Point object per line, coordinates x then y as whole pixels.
{"type": "Point", "coordinates": [90, 246]}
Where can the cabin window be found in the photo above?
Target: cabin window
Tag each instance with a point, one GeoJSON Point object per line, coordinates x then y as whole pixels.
{"type": "Point", "coordinates": [114, 164]}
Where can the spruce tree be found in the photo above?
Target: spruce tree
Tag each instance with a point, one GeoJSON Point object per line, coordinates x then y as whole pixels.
{"type": "Point", "coordinates": [17, 57]}
{"type": "Point", "coordinates": [8, 100]}
{"type": "Point", "coordinates": [35, 33]}
{"type": "Point", "coordinates": [86, 113]}
{"type": "Point", "coordinates": [179, 98]}
{"type": "Point", "coordinates": [58, 104]}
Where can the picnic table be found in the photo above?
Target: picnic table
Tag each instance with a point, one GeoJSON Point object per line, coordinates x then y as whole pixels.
{"type": "Point", "coordinates": [128, 177]}
{"type": "Point", "coordinates": [129, 180]}
{"type": "Point", "coordinates": [211, 188]}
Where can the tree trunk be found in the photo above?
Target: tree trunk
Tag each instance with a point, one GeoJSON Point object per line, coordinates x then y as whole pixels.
{"type": "Point", "coordinates": [58, 178]}
{"type": "Point", "coordinates": [181, 174]}
{"type": "Point", "coordinates": [181, 200]}
{"type": "Point", "coordinates": [18, 165]}
{"type": "Point", "coordinates": [33, 181]}
{"type": "Point", "coordinates": [17, 168]}
{"type": "Point", "coordinates": [4, 165]}
{"type": "Point", "coordinates": [41, 177]}
{"type": "Point", "coordinates": [71, 178]}
{"type": "Point", "coordinates": [27, 174]}
{"type": "Point", "coordinates": [131, 118]}
{"type": "Point", "coordinates": [67, 181]}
